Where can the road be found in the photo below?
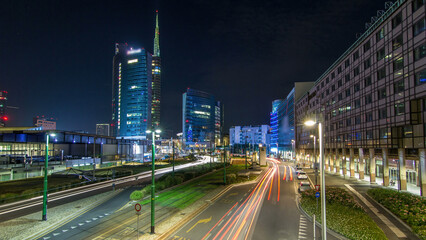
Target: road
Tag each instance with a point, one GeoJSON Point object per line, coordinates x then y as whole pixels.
{"type": "Point", "coordinates": [264, 210]}
{"type": "Point", "coordinates": [25, 207]}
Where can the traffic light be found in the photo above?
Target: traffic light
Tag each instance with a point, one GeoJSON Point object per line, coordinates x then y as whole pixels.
{"type": "Point", "coordinates": [5, 118]}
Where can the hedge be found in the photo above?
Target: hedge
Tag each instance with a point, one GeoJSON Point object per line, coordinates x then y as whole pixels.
{"type": "Point", "coordinates": [344, 214]}
{"type": "Point", "coordinates": [408, 207]}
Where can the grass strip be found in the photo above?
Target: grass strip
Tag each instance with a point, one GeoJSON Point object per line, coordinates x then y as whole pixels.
{"type": "Point", "coordinates": [408, 207]}
{"type": "Point", "coordinates": [344, 215]}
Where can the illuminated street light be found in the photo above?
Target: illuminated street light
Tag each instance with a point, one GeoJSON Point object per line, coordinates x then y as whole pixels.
{"type": "Point", "coordinates": [153, 179]}
{"type": "Point", "coordinates": [44, 214]}
{"type": "Point", "coordinates": [322, 172]}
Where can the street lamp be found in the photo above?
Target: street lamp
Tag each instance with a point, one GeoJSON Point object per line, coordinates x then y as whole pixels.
{"type": "Point", "coordinates": [44, 214]}
{"type": "Point", "coordinates": [315, 159]}
{"type": "Point", "coordinates": [322, 172]}
{"type": "Point", "coordinates": [153, 179]}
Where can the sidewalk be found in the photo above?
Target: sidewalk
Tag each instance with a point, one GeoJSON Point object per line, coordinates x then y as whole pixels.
{"type": "Point", "coordinates": [411, 188]}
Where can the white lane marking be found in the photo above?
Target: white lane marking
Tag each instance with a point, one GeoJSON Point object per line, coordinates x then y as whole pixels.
{"type": "Point", "coordinates": [382, 217]}
{"type": "Point", "coordinates": [101, 216]}
{"type": "Point", "coordinates": [94, 219]}
{"type": "Point", "coordinates": [72, 227]}
{"type": "Point", "coordinates": [88, 221]}
{"type": "Point", "coordinates": [65, 230]}
{"type": "Point", "coordinates": [85, 189]}
{"type": "Point", "coordinates": [56, 234]}
{"type": "Point", "coordinates": [81, 224]}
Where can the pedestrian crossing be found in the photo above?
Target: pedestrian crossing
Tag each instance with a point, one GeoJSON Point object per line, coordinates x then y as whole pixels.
{"type": "Point", "coordinates": [303, 226]}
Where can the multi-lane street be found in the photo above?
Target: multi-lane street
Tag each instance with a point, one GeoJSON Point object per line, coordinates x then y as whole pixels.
{"type": "Point", "coordinates": [21, 208]}
{"type": "Point", "coordinates": [263, 210]}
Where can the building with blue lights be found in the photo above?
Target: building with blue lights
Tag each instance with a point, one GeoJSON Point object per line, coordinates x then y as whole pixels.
{"type": "Point", "coordinates": [282, 120]}
{"type": "Point", "coordinates": [132, 92]}
{"type": "Point", "coordinates": [202, 119]}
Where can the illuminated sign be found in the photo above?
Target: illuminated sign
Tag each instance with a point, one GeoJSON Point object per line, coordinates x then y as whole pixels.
{"type": "Point", "coordinates": [132, 61]}
{"type": "Point", "coordinates": [130, 52]}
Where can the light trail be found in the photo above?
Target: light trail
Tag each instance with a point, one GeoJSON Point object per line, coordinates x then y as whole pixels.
{"type": "Point", "coordinates": [285, 173]}
{"type": "Point", "coordinates": [240, 223]}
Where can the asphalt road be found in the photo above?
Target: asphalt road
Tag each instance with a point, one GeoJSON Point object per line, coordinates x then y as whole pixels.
{"type": "Point", "coordinates": [265, 210]}
{"type": "Point", "coordinates": [25, 207]}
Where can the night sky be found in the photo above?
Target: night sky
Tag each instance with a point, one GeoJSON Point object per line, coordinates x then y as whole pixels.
{"type": "Point", "coordinates": [56, 56]}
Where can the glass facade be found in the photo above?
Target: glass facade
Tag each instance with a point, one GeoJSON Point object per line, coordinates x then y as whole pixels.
{"type": "Point", "coordinates": [3, 101]}
{"type": "Point", "coordinates": [202, 117]}
{"type": "Point", "coordinates": [132, 92]}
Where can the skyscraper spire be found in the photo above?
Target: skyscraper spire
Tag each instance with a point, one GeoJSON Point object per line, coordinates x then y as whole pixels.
{"type": "Point", "coordinates": [157, 36]}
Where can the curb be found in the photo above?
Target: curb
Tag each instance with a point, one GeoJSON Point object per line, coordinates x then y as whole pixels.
{"type": "Point", "coordinates": [202, 208]}
{"type": "Point", "coordinates": [393, 215]}
{"type": "Point", "coordinates": [52, 227]}
{"type": "Point", "coordinates": [333, 233]}
{"type": "Point", "coordinates": [193, 214]}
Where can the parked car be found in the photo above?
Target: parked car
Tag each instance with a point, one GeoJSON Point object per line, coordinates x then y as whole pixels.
{"type": "Point", "coordinates": [298, 169]}
{"type": "Point", "coordinates": [304, 186]}
{"type": "Point", "coordinates": [302, 176]}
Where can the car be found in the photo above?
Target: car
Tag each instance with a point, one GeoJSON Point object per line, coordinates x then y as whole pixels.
{"type": "Point", "coordinates": [302, 176]}
{"type": "Point", "coordinates": [298, 169]}
{"type": "Point", "coordinates": [304, 186]}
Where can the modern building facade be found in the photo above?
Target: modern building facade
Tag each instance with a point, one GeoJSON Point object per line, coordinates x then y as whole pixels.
{"type": "Point", "coordinates": [202, 118]}
{"type": "Point", "coordinates": [371, 102]}
{"type": "Point", "coordinates": [156, 77]}
{"type": "Point", "coordinates": [132, 92]}
{"type": "Point", "coordinates": [253, 135]}
{"type": "Point", "coordinates": [282, 121]}
{"type": "Point", "coordinates": [3, 105]}
{"type": "Point", "coordinates": [103, 129]}
{"type": "Point", "coordinates": [44, 122]}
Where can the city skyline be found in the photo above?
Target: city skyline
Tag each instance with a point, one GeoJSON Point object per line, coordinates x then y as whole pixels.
{"type": "Point", "coordinates": [185, 63]}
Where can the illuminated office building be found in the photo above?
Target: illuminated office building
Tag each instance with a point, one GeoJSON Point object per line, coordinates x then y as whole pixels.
{"type": "Point", "coordinates": [3, 104]}
{"type": "Point", "coordinates": [131, 96]}
{"type": "Point", "coordinates": [202, 118]}
{"type": "Point", "coordinates": [371, 102]}
{"type": "Point", "coordinates": [156, 77]}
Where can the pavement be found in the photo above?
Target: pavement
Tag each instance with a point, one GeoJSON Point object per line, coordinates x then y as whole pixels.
{"type": "Point", "coordinates": [393, 227]}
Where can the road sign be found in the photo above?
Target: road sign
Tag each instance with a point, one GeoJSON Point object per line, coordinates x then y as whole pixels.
{"type": "Point", "coordinates": [317, 194]}
{"type": "Point", "coordinates": [317, 187]}
{"type": "Point", "coordinates": [138, 207]}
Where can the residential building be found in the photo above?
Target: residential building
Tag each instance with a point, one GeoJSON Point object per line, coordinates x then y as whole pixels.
{"type": "Point", "coordinates": [202, 120]}
{"type": "Point", "coordinates": [131, 95]}
{"type": "Point", "coordinates": [103, 129]}
{"type": "Point", "coordinates": [283, 119]}
{"type": "Point", "coordinates": [156, 77]}
{"type": "Point", "coordinates": [371, 102]}
{"type": "Point", "coordinates": [252, 136]}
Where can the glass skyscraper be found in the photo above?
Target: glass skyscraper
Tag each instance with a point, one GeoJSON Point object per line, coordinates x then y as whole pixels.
{"type": "Point", "coordinates": [132, 92]}
{"type": "Point", "coordinates": [202, 118]}
{"type": "Point", "coordinates": [156, 77]}
{"type": "Point", "coordinates": [283, 119]}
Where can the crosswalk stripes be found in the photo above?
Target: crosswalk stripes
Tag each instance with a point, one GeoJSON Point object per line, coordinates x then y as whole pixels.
{"type": "Point", "coordinates": [302, 227]}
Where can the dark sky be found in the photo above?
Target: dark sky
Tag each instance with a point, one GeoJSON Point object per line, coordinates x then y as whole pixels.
{"type": "Point", "coordinates": [56, 56]}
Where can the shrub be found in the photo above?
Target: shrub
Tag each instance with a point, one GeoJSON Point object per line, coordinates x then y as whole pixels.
{"type": "Point", "coordinates": [188, 176]}
{"type": "Point", "coordinates": [231, 178]}
{"type": "Point", "coordinates": [136, 195]}
{"type": "Point", "coordinates": [344, 214]}
{"type": "Point", "coordinates": [408, 207]}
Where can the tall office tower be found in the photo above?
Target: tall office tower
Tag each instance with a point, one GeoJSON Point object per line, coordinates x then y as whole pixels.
{"type": "Point", "coordinates": [3, 101]}
{"type": "Point", "coordinates": [156, 77]}
{"type": "Point", "coordinates": [202, 118]}
{"type": "Point", "coordinates": [131, 92]}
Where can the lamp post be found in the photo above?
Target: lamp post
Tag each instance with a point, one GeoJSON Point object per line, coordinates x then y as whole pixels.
{"type": "Point", "coordinates": [44, 214]}
{"type": "Point", "coordinates": [153, 179]}
{"type": "Point", "coordinates": [322, 172]}
{"type": "Point", "coordinates": [315, 159]}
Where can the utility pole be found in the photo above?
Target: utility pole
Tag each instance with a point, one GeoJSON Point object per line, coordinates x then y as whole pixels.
{"type": "Point", "coordinates": [173, 147]}
{"type": "Point", "coordinates": [224, 165]}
